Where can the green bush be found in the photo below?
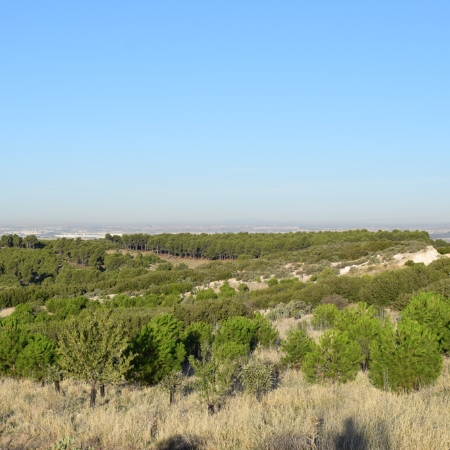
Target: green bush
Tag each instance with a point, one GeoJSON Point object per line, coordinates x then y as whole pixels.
{"type": "Point", "coordinates": [206, 294]}
{"type": "Point", "coordinates": [196, 335]}
{"type": "Point", "coordinates": [362, 326]}
{"type": "Point", "coordinates": [226, 291]}
{"type": "Point", "coordinates": [159, 349]}
{"type": "Point", "coordinates": [257, 377]}
{"type": "Point", "coordinates": [210, 311]}
{"type": "Point", "coordinates": [295, 308]}
{"type": "Point", "coordinates": [324, 316]}
{"type": "Point", "coordinates": [335, 299]}
{"type": "Point", "coordinates": [407, 359]}
{"type": "Point", "coordinates": [433, 311]}
{"type": "Point", "coordinates": [336, 359]}
{"type": "Point", "coordinates": [295, 347]}
{"type": "Point", "coordinates": [33, 361]}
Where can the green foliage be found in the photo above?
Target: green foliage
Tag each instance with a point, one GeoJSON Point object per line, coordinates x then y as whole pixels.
{"type": "Point", "coordinates": [93, 350]}
{"type": "Point", "coordinates": [212, 377]}
{"type": "Point", "coordinates": [257, 377]}
{"type": "Point", "coordinates": [336, 359]}
{"type": "Point", "coordinates": [13, 338]}
{"type": "Point", "coordinates": [362, 326]}
{"type": "Point", "coordinates": [23, 313]}
{"type": "Point", "coordinates": [226, 291]}
{"type": "Point", "coordinates": [172, 383]}
{"type": "Point", "coordinates": [324, 316]}
{"type": "Point", "coordinates": [255, 245]}
{"type": "Point", "coordinates": [242, 288]}
{"type": "Point", "coordinates": [159, 349]}
{"type": "Point", "coordinates": [272, 282]}
{"type": "Point", "coordinates": [67, 443]}
{"type": "Point", "coordinates": [295, 308]}
{"type": "Point", "coordinates": [336, 300]}
{"type": "Point", "coordinates": [295, 347]}
{"type": "Point", "coordinates": [265, 333]}
{"type": "Point", "coordinates": [206, 294]}
{"type": "Point", "coordinates": [64, 307]}
{"type": "Point", "coordinates": [433, 311]}
{"type": "Point", "coordinates": [210, 311]}
{"type": "Point", "coordinates": [235, 337]}
{"type": "Point", "coordinates": [33, 361]}
{"type": "Point", "coordinates": [196, 335]}
{"type": "Point", "coordinates": [407, 359]}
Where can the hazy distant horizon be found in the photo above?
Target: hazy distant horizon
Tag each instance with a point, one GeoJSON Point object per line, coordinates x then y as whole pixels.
{"type": "Point", "coordinates": [233, 226]}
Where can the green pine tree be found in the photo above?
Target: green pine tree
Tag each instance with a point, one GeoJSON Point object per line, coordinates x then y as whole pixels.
{"type": "Point", "coordinates": [336, 359]}
{"type": "Point", "coordinates": [13, 339]}
{"type": "Point", "coordinates": [362, 326]}
{"type": "Point", "coordinates": [159, 349]}
{"type": "Point", "coordinates": [324, 316]}
{"type": "Point", "coordinates": [295, 347]}
{"type": "Point", "coordinates": [34, 359]}
{"type": "Point", "coordinates": [407, 359]}
{"type": "Point", "coordinates": [433, 311]}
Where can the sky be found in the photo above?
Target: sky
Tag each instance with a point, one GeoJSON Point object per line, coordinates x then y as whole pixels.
{"type": "Point", "coordinates": [145, 112]}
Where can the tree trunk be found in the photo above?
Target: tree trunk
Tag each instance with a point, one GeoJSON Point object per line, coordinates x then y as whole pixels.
{"type": "Point", "coordinates": [172, 398]}
{"type": "Point", "coordinates": [93, 394]}
{"type": "Point", "coordinates": [102, 390]}
{"type": "Point", "coordinates": [210, 409]}
{"type": "Point", "coordinates": [57, 386]}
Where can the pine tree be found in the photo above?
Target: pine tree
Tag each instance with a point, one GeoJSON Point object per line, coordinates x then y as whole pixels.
{"type": "Point", "coordinates": [93, 351]}
{"type": "Point", "coordinates": [34, 359]}
{"type": "Point", "coordinates": [13, 339]}
{"type": "Point", "coordinates": [295, 347]}
{"type": "Point", "coordinates": [336, 359]}
{"type": "Point", "coordinates": [362, 326]}
{"type": "Point", "coordinates": [407, 359]}
{"type": "Point", "coordinates": [433, 311]}
{"type": "Point", "coordinates": [324, 316]}
{"type": "Point", "coordinates": [159, 349]}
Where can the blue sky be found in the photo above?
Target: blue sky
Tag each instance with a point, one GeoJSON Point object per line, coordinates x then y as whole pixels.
{"type": "Point", "coordinates": [207, 112]}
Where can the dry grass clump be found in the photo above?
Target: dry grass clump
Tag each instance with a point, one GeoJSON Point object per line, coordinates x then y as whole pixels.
{"type": "Point", "coordinates": [294, 416]}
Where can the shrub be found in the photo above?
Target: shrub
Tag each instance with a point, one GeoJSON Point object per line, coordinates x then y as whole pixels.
{"type": "Point", "coordinates": [336, 359]}
{"type": "Point", "coordinates": [159, 349]}
{"type": "Point", "coordinates": [265, 333]}
{"type": "Point", "coordinates": [210, 311]}
{"type": "Point", "coordinates": [295, 308]}
{"type": "Point", "coordinates": [324, 316]}
{"type": "Point", "coordinates": [206, 294]}
{"type": "Point", "coordinates": [172, 383]}
{"type": "Point", "coordinates": [295, 347]}
{"type": "Point", "coordinates": [336, 300]}
{"type": "Point", "coordinates": [195, 335]}
{"type": "Point", "coordinates": [362, 327]}
{"type": "Point", "coordinates": [272, 282]}
{"type": "Point", "coordinates": [257, 377]}
{"type": "Point", "coordinates": [34, 359]}
{"type": "Point", "coordinates": [433, 311]}
{"type": "Point", "coordinates": [235, 330]}
{"type": "Point", "coordinates": [407, 359]}
{"type": "Point", "coordinates": [212, 377]}
{"type": "Point", "coordinates": [226, 291]}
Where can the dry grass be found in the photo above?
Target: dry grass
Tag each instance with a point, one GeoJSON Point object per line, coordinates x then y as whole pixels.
{"type": "Point", "coordinates": [352, 416]}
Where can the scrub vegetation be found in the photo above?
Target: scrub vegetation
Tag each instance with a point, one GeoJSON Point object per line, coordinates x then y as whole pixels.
{"type": "Point", "coordinates": [123, 343]}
